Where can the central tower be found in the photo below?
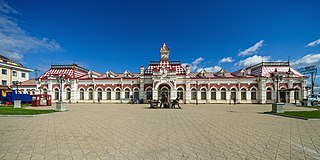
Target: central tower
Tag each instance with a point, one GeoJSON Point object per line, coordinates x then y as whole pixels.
{"type": "Point", "coordinates": [164, 52]}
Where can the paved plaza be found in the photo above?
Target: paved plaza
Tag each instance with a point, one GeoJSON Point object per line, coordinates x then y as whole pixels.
{"type": "Point", "coordinates": [123, 131]}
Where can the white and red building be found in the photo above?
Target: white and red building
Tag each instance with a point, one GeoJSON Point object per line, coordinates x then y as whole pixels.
{"type": "Point", "coordinates": [249, 85]}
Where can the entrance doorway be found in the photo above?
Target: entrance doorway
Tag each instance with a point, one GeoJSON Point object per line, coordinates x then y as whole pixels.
{"type": "Point", "coordinates": [164, 88]}
{"type": "Point", "coordinates": [283, 96]}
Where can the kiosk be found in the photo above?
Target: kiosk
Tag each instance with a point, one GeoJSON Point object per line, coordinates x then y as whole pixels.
{"type": "Point", "coordinates": [41, 100]}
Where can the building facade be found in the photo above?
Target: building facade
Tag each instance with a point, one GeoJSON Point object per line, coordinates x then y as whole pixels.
{"type": "Point", "coordinates": [249, 85]}
{"type": "Point", "coordinates": [12, 72]}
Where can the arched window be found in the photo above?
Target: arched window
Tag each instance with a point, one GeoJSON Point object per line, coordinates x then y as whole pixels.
{"type": "Point", "coordinates": [149, 93]}
{"type": "Point", "coordinates": [117, 94]}
{"type": "Point", "coordinates": [99, 94]}
{"type": "Point", "coordinates": [243, 94]}
{"type": "Point", "coordinates": [45, 91]}
{"type": "Point", "coordinates": [136, 93]}
{"type": "Point", "coordinates": [68, 94]}
{"type": "Point", "coordinates": [180, 93]}
{"type": "Point", "coordinates": [193, 94]}
{"type": "Point", "coordinates": [213, 94]}
{"type": "Point", "coordinates": [203, 94]}
{"type": "Point", "coordinates": [90, 94]}
{"type": "Point", "coordinates": [233, 93]}
{"type": "Point", "coordinates": [223, 94]}
{"type": "Point", "coordinates": [56, 94]}
{"type": "Point", "coordinates": [108, 94]}
{"type": "Point", "coordinates": [126, 93]}
{"type": "Point", "coordinates": [253, 94]}
{"type": "Point", "coordinates": [81, 94]}
{"type": "Point", "coordinates": [269, 94]}
{"type": "Point", "coordinates": [33, 92]}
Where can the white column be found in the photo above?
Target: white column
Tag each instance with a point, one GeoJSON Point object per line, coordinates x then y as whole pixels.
{"type": "Point", "coordinates": [86, 95]}
{"type": "Point", "coordinates": [95, 96]}
{"type": "Point", "coordinates": [262, 91]}
{"type": "Point", "coordinates": [291, 93]}
{"type": "Point", "coordinates": [104, 95]}
{"type": "Point", "coordinates": [248, 96]}
{"type": "Point", "coordinates": [74, 91]}
{"type": "Point", "coordinates": [228, 94]}
{"type": "Point", "coordinates": [155, 94]}
{"type": "Point", "coordinates": [218, 96]}
{"type": "Point", "coordinates": [199, 96]}
{"type": "Point", "coordinates": [173, 94]}
{"type": "Point", "coordinates": [50, 89]}
{"type": "Point", "coordinates": [113, 95]}
{"type": "Point", "coordinates": [188, 92]}
{"type": "Point", "coordinates": [208, 96]}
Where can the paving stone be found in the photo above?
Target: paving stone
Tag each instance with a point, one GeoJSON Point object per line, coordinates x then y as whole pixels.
{"type": "Point", "coordinates": [121, 131]}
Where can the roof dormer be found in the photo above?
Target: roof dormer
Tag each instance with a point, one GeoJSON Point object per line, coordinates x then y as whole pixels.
{"type": "Point", "coordinates": [127, 74]}
{"type": "Point", "coordinates": [222, 73]}
{"type": "Point", "coordinates": [110, 74]}
{"type": "Point", "coordinates": [202, 73]}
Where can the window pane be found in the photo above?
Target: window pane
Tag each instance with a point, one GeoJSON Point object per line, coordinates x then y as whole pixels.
{"type": "Point", "coordinates": [243, 94]}
{"type": "Point", "coordinates": [149, 94]}
{"type": "Point", "coordinates": [4, 71]}
{"type": "Point", "coordinates": [117, 94]}
{"type": "Point", "coordinates": [56, 94]}
{"type": "Point", "coordinates": [193, 94]}
{"type": "Point", "coordinates": [108, 95]}
{"type": "Point", "coordinates": [68, 96]}
{"type": "Point", "coordinates": [223, 95]}
{"type": "Point", "coordinates": [81, 94]}
{"type": "Point", "coordinates": [127, 93]}
{"type": "Point", "coordinates": [213, 95]}
{"type": "Point", "coordinates": [203, 95]}
{"type": "Point", "coordinates": [4, 82]}
{"type": "Point", "coordinates": [268, 95]}
{"type": "Point", "coordinates": [253, 95]}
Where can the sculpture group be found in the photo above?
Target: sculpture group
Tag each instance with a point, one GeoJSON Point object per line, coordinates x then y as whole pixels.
{"type": "Point", "coordinates": [164, 102]}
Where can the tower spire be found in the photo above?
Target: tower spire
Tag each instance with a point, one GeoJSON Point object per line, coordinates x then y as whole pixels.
{"type": "Point", "coordinates": [164, 51]}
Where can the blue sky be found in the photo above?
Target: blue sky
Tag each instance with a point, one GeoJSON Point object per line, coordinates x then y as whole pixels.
{"type": "Point", "coordinates": [123, 35]}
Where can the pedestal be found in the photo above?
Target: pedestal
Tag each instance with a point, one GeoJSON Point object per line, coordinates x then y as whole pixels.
{"type": "Point", "coordinates": [17, 104]}
{"type": "Point", "coordinates": [277, 107]}
{"type": "Point", "coordinates": [306, 103]}
{"type": "Point", "coordinates": [60, 106]}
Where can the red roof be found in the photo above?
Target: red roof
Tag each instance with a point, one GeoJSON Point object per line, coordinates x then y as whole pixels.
{"type": "Point", "coordinates": [70, 71]}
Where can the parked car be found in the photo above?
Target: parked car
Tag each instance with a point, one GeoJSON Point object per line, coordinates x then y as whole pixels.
{"type": "Point", "coordinates": [313, 99]}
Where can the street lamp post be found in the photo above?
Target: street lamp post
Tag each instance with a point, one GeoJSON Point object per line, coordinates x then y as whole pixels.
{"type": "Point", "coordinates": [18, 83]}
{"type": "Point", "coordinates": [132, 82]}
{"type": "Point", "coordinates": [307, 88]}
{"type": "Point", "coordinates": [61, 79]}
{"type": "Point", "coordinates": [276, 78]}
{"type": "Point", "coordinates": [197, 83]}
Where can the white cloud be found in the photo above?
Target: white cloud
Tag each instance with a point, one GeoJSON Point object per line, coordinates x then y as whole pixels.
{"type": "Point", "coordinates": [197, 61]}
{"type": "Point", "coordinates": [15, 41]}
{"type": "Point", "coordinates": [210, 69]}
{"type": "Point", "coordinates": [251, 50]}
{"type": "Point", "coordinates": [194, 65]}
{"type": "Point", "coordinates": [226, 60]}
{"type": "Point", "coordinates": [307, 60]}
{"type": "Point", "coordinates": [314, 43]}
{"type": "Point", "coordinates": [252, 61]}
{"type": "Point", "coordinates": [6, 8]}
